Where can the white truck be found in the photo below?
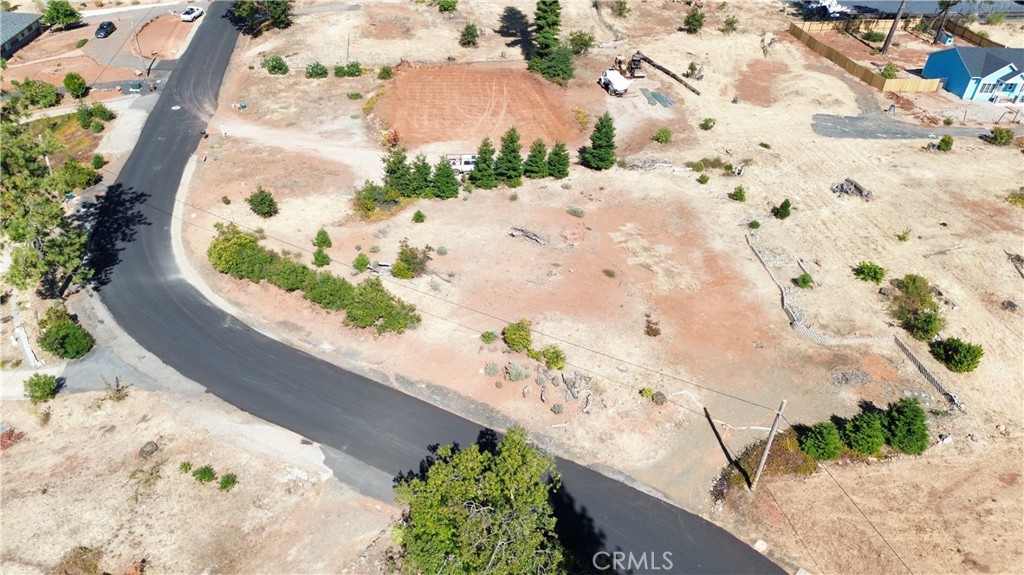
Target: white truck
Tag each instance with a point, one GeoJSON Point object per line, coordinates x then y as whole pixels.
{"type": "Point", "coordinates": [613, 82]}
{"type": "Point", "coordinates": [462, 163]}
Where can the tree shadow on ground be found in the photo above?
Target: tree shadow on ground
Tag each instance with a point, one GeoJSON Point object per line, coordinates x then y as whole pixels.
{"type": "Point", "coordinates": [112, 221]}
{"type": "Point", "coordinates": [515, 25]}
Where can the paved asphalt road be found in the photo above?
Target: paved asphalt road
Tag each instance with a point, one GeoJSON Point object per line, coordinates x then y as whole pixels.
{"type": "Point", "coordinates": [372, 423]}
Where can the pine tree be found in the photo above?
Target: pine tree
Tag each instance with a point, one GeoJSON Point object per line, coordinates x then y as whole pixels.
{"type": "Point", "coordinates": [509, 166]}
{"type": "Point", "coordinates": [421, 183]}
{"type": "Point", "coordinates": [536, 165]}
{"type": "Point", "coordinates": [558, 161]}
{"type": "Point", "coordinates": [446, 183]}
{"type": "Point", "coordinates": [397, 174]}
{"type": "Point", "coordinates": [601, 153]}
{"type": "Point", "coordinates": [482, 175]}
{"type": "Point", "coordinates": [548, 20]}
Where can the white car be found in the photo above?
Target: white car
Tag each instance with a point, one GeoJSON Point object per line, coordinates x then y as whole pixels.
{"type": "Point", "coordinates": [191, 14]}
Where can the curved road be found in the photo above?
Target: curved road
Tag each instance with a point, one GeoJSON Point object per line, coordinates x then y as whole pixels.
{"type": "Point", "coordinates": [372, 423]}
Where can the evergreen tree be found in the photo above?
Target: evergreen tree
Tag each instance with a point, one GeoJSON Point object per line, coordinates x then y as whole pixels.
{"type": "Point", "coordinates": [446, 183]}
{"type": "Point", "coordinates": [477, 511]}
{"type": "Point", "coordinates": [421, 182]}
{"type": "Point", "coordinates": [536, 165]}
{"type": "Point", "coordinates": [558, 161]}
{"type": "Point", "coordinates": [548, 21]}
{"type": "Point", "coordinates": [47, 245]}
{"type": "Point", "coordinates": [906, 426]}
{"type": "Point", "coordinates": [601, 153]}
{"type": "Point", "coordinates": [509, 166]}
{"type": "Point", "coordinates": [482, 175]}
{"type": "Point", "coordinates": [397, 174]}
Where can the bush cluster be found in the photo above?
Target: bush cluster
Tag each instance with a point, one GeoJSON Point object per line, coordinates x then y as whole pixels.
{"type": "Point", "coordinates": [275, 65]}
{"type": "Point", "coordinates": [351, 70]}
{"type": "Point", "coordinates": [368, 304]}
{"type": "Point", "coordinates": [517, 335]}
{"type": "Point", "coordinates": [804, 281]}
{"type": "Point", "coordinates": [694, 21]}
{"type": "Point", "coordinates": [76, 85]}
{"type": "Point", "coordinates": [902, 425]}
{"type": "Point", "coordinates": [873, 36]}
{"type": "Point", "coordinates": [1000, 136]}
{"type": "Point", "coordinates": [87, 116]}
{"type": "Point", "coordinates": [945, 143]}
{"type": "Point", "coordinates": [262, 203]}
{"type": "Point", "coordinates": [40, 388]}
{"type": "Point", "coordinates": [869, 272]}
{"type": "Point", "coordinates": [782, 210]}
{"type": "Point", "coordinates": [551, 356]}
{"type": "Point", "coordinates": [470, 36]}
{"type": "Point", "coordinates": [316, 70]}
{"type": "Point", "coordinates": [707, 123]}
{"type": "Point", "coordinates": [739, 194]}
{"type": "Point", "coordinates": [916, 308]}
{"type": "Point", "coordinates": [385, 73]}
{"type": "Point", "coordinates": [62, 336]}
{"type": "Point", "coordinates": [411, 262]}
{"type": "Point", "coordinates": [662, 136]}
{"type": "Point", "coordinates": [37, 93]}
{"type": "Point", "coordinates": [957, 355]}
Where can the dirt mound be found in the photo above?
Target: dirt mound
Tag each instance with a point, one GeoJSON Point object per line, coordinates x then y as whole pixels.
{"type": "Point", "coordinates": [468, 102]}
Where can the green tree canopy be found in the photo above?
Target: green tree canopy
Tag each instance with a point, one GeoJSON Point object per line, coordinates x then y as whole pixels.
{"type": "Point", "coordinates": [397, 173]}
{"type": "Point", "coordinates": [475, 511]}
{"type": "Point", "coordinates": [558, 161]}
{"type": "Point", "coordinates": [482, 175]}
{"type": "Point", "coordinates": [420, 179]}
{"type": "Point", "coordinates": [548, 21]}
{"type": "Point", "coordinates": [48, 247]}
{"type": "Point", "coordinates": [906, 427]}
{"type": "Point", "coordinates": [600, 155]}
{"type": "Point", "coordinates": [75, 84]}
{"type": "Point", "coordinates": [509, 166]}
{"type": "Point", "coordinates": [536, 164]}
{"type": "Point", "coordinates": [61, 13]}
{"type": "Point", "coordinates": [446, 184]}
{"type": "Point", "coordinates": [256, 16]}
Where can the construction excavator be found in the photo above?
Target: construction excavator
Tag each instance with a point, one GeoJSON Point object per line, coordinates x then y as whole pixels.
{"type": "Point", "coordinates": [634, 67]}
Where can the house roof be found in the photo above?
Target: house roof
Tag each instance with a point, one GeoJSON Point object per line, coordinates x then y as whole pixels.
{"type": "Point", "coordinates": [981, 62]}
{"type": "Point", "coordinates": [12, 23]}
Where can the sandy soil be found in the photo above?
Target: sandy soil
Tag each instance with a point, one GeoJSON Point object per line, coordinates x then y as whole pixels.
{"type": "Point", "coordinates": [163, 36]}
{"type": "Point", "coordinates": [678, 253]}
{"type": "Point", "coordinates": [79, 480]}
{"type": "Point", "coordinates": [909, 50]}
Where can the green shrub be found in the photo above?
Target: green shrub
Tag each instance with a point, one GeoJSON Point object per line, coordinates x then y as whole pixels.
{"type": "Point", "coordinates": [694, 21]}
{"type": "Point", "coordinates": [869, 272]}
{"type": "Point", "coordinates": [730, 24]}
{"type": "Point", "coordinates": [491, 369]}
{"type": "Point", "coordinates": [924, 325]}
{"type": "Point", "coordinates": [738, 194]}
{"type": "Point", "coordinates": [647, 392]}
{"type": "Point", "coordinates": [204, 474]}
{"type": "Point", "coordinates": [81, 43]}
{"type": "Point", "coordinates": [419, 217]}
{"type": "Point", "coordinates": [96, 127]}
{"type": "Point", "coordinates": [662, 136]}
{"type": "Point", "coordinates": [580, 42]}
{"type": "Point", "coordinates": [275, 65]}
{"type": "Point", "coordinates": [703, 178]}
{"type": "Point", "coordinates": [1016, 198]}
{"type": "Point", "coordinates": [414, 259]}
{"type": "Point", "coordinates": [904, 235]}
{"type": "Point", "coordinates": [945, 143]}
{"type": "Point", "coordinates": [804, 281]}
{"type": "Point", "coordinates": [401, 271]}
{"type": "Point", "coordinates": [916, 308]}
{"type": "Point", "coordinates": [469, 37]}
{"type": "Point", "coordinates": [557, 409]}
{"type": "Point", "coordinates": [575, 211]}
{"type": "Point", "coordinates": [889, 71]}
{"type": "Point", "coordinates": [289, 275]}
{"type": "Point", "coordinates": [75, 175]}
{"type": "Point", "coordinates": [385, 73]}
{"type": "Point", "coordinates": [551, 356]}
{"type": "Point", "coordinates": [873, 36]}
{"type": "Point", "coordinates": [101, 112]}
{"type": "Point", "coordinates": [621, 8]}
{"type": "Point", "coordinates": [707, 123]}
{"type": "Point", "coordinates": [765, 145]}
{"type": "Point", "coordinates": [948, 122]}
{"type": "Point", "coordinates": [821, 441]}
{"type": "Point", "coordinates": [316, 70]}
{"type": "Point", "coordinates": [863, 434]}
{"type": "Point", "coordinates": [754, 224]}
{"type": "Point", "coordinates": [957, 355]}
{"type": "Point", "coordinates": [227, 481]}
{"type": "Point", "coordinates": [239, 255]}
{"type": "Point", "coordinates": [995, 18]}
{"type": "Point", "coordinates": [361, 262]}
{"type": "Point", "coordinates": [75, 84]}
{"type": "Point", "coordinates": [67, 340]}
{"type": "Point", "coordinates": [320, 258]}
{"type": "Point", "coordinates": [355, 95]}
{"type": "Point", "coordinates": [489, 337]}
{"type": "Point", "coordinates": [97, 161]}
{"type": "Point", "coordinates": [351, 70]}
{"type": "Point", "coordinates": [608, 273]}
{"type": "Point", "coordinates": [322, 239]}
{"type": "Point", "coordinates": [262, 203]}
{"type": "Point", "coordinates": [1000, 136]}
{"type": "Point", "coordinates": [447, 5]}
{"type": "Point", "coordinates": [517, 335]}
{"type": "Point", "coordinates": [37, 93]}
{"type": "Point", "coordinates": [328, 291]}
{"type": "Point", "coordinates": [185, 467]}
{"type": "Point", "coordinates": [40, 388]}
{"type": "Point", "coordinates": [782, 210]}
{"type": "Point", "coordinates": [374, 306]}
{"type": "Point", "coordinates": [905, 426]}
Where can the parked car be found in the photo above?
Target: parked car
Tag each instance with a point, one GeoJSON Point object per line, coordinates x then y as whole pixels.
{"type": "Point", "coordinates": [613, 82]}
{"type": "Point", "coordinates": [191, 14]}
{"type": "Point", "coordinates": [105, 29]}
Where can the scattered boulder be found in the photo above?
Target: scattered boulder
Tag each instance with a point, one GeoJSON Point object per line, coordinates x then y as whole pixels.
{"type": "Point", "coordinates": [148, 449]}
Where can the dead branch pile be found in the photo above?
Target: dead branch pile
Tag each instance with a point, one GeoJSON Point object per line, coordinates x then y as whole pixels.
{"type": "Point", "coordinates": [646, 164]}
{"type": "Point", "coordinates": [849, 187]}
{"type": "Point", "coordinates": [516, 232]}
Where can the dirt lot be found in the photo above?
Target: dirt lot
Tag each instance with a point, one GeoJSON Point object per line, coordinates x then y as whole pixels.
{"type": "Point", "coordinates": [909, 50]}
{"type": "Point", "coordinates": [78, 481]}
{"type": "Point", "coordinates": [673, 248]}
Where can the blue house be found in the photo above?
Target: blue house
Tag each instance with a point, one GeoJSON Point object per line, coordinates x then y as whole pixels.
{"type": "Point", "coordinates": [973, 73]}
{"type": "Point", "coordinates": [16, 30]}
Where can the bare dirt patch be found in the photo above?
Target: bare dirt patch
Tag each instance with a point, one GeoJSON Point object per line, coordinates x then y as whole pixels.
{"type": "Point", "coordinates": [756, 84]}
{"type": "Point", "coordinates": [909, 50]}
{"type": "Point", "coordinates": [472, 102]}
{"type": "Point", "coordinates": [163, 37]}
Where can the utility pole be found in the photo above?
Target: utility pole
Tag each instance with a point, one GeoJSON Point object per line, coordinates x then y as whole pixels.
{"type": "Point", "coordinates": [892, 30]}
{"type": "Point", "coordinates": [768, 446]}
